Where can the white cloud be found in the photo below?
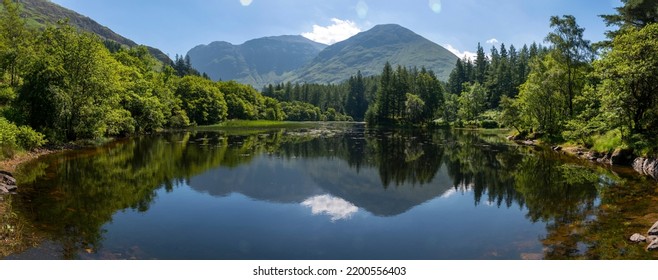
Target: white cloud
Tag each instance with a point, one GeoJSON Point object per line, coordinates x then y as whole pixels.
{"type": "Point", "coordinates": [336, 32]}
{"type": "Point", "coordinates": [460, 54]}
{"type": "Point", "coordinates": [245, 2]}
{"type": "Point", "coordinates": [337, 208]}
{"type": "Point", "coordinates": [362, 9]}
{"type": "Point", "coordinates": [492, 41]}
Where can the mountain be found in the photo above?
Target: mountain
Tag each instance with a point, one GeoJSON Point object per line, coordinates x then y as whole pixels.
{"type": "Point", "coordinates": [296, 59]}
{"type": "Point", "coordinates": [42, 13]}
{"type": "Point", "coordinates": [368, 52]}
{"type": "Point", "coordinates": [256, 62]}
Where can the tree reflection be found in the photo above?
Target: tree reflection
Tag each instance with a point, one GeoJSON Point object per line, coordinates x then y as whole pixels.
{"type": "Point", "coordinates": [72, 195]}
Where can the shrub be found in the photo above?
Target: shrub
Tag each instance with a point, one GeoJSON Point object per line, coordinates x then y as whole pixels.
{"type": "Point", "coordinates": [29, 139]}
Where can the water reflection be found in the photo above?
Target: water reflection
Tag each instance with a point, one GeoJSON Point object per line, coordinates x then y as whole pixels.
{"type": "Point", "coordinates": [334, 172]}
{"type": "Point", "coordinates": [336, 207]}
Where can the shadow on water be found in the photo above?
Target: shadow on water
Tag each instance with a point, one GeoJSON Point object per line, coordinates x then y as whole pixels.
{"type": "Point", "coordinates": [588, 211]}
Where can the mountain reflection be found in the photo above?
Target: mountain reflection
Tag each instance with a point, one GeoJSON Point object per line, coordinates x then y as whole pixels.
{"type": "Point", "coordinates": [384, 172]}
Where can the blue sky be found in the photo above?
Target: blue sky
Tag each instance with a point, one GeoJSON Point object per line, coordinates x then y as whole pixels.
{"type": "Point", "coordinates": [177, 26]}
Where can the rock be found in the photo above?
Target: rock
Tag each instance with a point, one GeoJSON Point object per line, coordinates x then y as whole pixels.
{"type": "Point", "coordinates": [3, 189]}
{"type": "Point", "coordinates": [622, 157]}
{"type": "Point", "coordinates": [7, 179]}
{"type": "Point", "coordinates": [557, 148]}
{"type": "Point", "coordinates": [646, 166]}
{"type": "Point", "coordinates": [653, 230]}
{"type": "Point", "coordinates": [636, 237]}
{"type": "Point", "coordinates": [653, 245]}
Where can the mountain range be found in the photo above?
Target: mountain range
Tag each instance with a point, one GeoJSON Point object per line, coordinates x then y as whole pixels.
{"type": "Point", "coordinates": [42, 13]}
{"type": "Point", "coordinates": [296, 59]}
{"type": "Point", "coordinates": [288, 58]}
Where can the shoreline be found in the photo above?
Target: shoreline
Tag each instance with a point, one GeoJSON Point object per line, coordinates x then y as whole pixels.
{"type": "Point", "coordinates": [643, 166]}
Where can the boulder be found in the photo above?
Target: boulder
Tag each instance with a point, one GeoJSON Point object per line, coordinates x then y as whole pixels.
{"type": "Point", "coordinates": [646, 166]}
{"type": "Point", "coordinates": [653, 230]}
{"type": "Point", "coordinates": [7, 179]}
{"type": "Point", "coordinates": [622, 157]}
{"type": "Point", "coordinates": [3, 189]}
{"type": "Point", "coordinates": [636, 237]}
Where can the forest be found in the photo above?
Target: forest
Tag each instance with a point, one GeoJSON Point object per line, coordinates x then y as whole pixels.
{"type": "Point", "coordinates": [59, 85]}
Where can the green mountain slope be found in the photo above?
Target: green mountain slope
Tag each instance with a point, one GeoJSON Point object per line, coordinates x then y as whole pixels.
{"type": "Point", "coordinates": [256, 62]}
{"type": "Point", "coordinates": [42, 13]}
{"type": "Point", "coordinates": [368, 52]}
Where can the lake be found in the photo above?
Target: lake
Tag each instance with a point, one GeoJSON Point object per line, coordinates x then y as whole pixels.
{"type": "Point", "coordinates": [330, 191]}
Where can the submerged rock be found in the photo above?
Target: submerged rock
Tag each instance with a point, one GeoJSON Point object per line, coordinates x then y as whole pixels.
{"type": "Point", "coordinates": [653, 245]}
{"type": "Point", "coordinates": [653, 230]}
{"type": "Point", "coordinates": [636, 237]}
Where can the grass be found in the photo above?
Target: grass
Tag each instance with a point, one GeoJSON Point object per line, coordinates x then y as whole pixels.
{"type": "Point", "coordinates": [607, 142]}
{"type": "Point", "coordinates": [14, 234]}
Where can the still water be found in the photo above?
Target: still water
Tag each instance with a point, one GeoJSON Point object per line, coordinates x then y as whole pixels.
{"type": "Point", "coordinates": [329, 192]}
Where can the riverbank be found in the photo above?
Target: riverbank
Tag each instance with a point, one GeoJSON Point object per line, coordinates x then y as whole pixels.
{"type": "Point", "coordinates": [616, 156]}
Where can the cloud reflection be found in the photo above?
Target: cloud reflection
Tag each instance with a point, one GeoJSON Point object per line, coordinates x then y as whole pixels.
{"type": "Point", "coordinates": [337, 208]}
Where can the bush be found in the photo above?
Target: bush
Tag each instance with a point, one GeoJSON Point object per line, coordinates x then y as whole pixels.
{"type": "Point", "coordinates": [29, 139]}
{"type": "Point", "coordinates": [13, 137]}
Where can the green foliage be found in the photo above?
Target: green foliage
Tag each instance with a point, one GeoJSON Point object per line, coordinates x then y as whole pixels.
{"type": "Point", "coordinates": [510, 114]}
{"type": "Point", "coordinates": [608, 142]}
{"type": "Point", "coordinates": [391, 106]}
{"type": "Point", "coordinates": [73, 86]}
{"type": "Point", "coordinates": [630, 75]}
{"type": "Point", "coordinates": [472, 102]}
{"type": "Point", "coordinates": [202, 100]}
{"type": "Point", "coordinates": [414, 108]}
{"type": "Point", "coordinates": [300, 111]}
{"type": "Point", "coordinates": [13, 137]}
{"type": "Point", "coordinates": [542, 106]}
{"type": "Point", "coordinates": [29, 139]}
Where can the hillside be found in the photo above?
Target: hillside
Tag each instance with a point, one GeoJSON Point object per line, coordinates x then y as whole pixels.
{"type": "Point", "coordinates": [256, 62]}
{"type": "Point", "coordinates": [41, 13]}
{"type": "Point", "coordinates": [368, 52]}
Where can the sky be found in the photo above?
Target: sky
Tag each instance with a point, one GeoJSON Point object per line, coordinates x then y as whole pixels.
{"type": "Point", "coordinates": [176, 26]}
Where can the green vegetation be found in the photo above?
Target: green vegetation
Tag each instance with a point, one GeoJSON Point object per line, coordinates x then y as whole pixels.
{"type": "Point", "coordinates": [58, 84]}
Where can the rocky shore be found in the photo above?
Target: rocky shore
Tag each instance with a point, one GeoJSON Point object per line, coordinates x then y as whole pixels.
{"type": "Point", "coordinates": [620, 157]}
{"type": "Point", "coordinates": [7, 182]}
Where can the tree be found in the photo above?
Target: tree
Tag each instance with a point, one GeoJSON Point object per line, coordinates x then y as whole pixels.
{"type": "Point", "coordinates": [414, 108]}
{"type": "Point", "coordinates": [540, 101]}
{"type": "Point", "coordinates": [630, 80]}
{"type": "Point", "coordinates": [71, 91]}
{"type": "Point", "coordinates": [633, 14]}
{"type": "Point", "coordinates": [481, 64]}
{"type": "Point", "coordinates": [572, 52]}
{"type": "Point", "coordinates": [429, 89]}
{"type": "Point", "coordinates": [355, 103]}
{"type": "Point", "coordinates": [457, 78]}
{"type": "Point", "coordinates": [14, 43]}
{"type": "Point", "coordinates": [202, 100]}
{"type": "Point", "coordinates": [472, 102]}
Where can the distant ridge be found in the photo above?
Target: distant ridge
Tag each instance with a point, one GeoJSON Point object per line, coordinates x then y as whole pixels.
{"type": "Point", "coordinates": [256, 62]}
{"type": "Point", "coordinates": [297, 59]}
